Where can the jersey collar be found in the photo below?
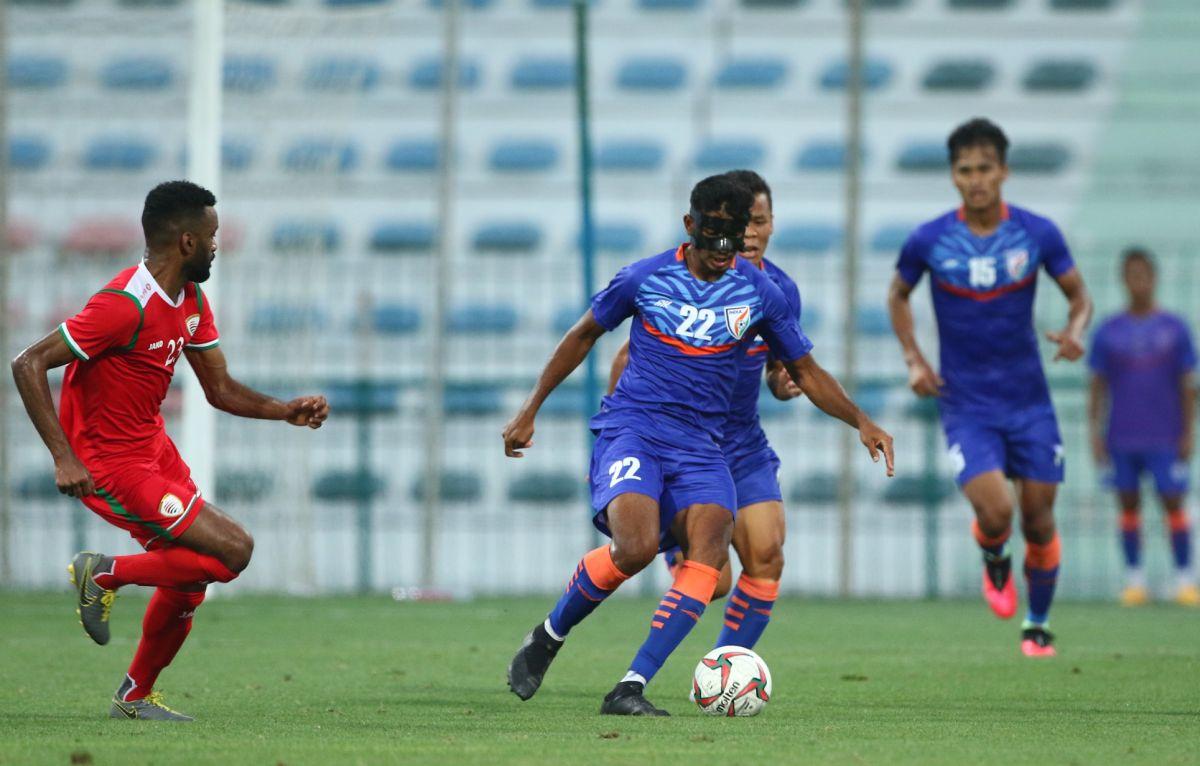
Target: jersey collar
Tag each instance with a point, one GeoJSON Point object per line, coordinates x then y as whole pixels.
{"type": "Point", "coordinates": [145, 272]}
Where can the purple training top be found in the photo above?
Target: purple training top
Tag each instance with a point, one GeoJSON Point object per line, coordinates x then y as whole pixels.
{"type": "Point", "coordinates": [1142, 359]}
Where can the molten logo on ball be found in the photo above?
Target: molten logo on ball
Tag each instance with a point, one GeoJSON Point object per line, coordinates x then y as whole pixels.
{"type": "Point", "coordinates": [732, 681]}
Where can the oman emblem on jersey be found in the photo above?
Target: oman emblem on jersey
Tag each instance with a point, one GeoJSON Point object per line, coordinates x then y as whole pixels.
{"type": "Point", "coordinates": [193, 323]}
{"type": "Point", "coordinates": [737, 319]}
{"type": "Point", "coordinates": [1016, 261]}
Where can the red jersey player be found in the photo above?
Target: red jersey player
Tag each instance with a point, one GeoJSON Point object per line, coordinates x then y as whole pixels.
{"type": "Point", "coordinates": [109, 446]}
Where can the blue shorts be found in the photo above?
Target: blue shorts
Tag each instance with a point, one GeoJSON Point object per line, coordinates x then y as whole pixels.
{"type": "Point", "coordinates": [1023, 448]}
{"type": "Point", "coordinates": [756, 476]}
{"type": "Point", "coordinates": [625, 461]}
{"type": "Point", "coordinates": [1169, 472]}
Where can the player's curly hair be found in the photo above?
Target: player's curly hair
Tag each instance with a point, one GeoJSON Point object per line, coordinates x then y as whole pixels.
{"type": "Point", "coordinates": [754, 182]}
{"type": "Point", "coordinates": [979, 131]}
{"type": "Point", "coordinates": [170, 205]}
{"type": "Point", "coordinates": [717, 192]}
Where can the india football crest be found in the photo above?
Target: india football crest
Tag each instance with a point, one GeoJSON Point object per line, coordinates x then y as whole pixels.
{"type": "Point", "coordinates": [737, 320]}
{"type": "Point", "coordinates": [1016, 261]}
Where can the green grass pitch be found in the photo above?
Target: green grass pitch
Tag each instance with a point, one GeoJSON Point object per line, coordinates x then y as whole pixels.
{"type": "Point", "coordinates": [366, 680]}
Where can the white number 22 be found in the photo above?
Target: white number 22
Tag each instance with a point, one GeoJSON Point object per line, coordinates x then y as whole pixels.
{"type": "Point", "coordinates": [631, 466]}
{"type": "Point", "coordinates": [691, 314]}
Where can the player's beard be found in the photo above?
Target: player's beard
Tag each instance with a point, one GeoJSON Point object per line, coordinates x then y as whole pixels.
{"type": "Point", "coordinates": [198, 269]}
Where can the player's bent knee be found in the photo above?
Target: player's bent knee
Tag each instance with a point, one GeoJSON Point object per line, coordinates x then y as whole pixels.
{"type": "Point", "coordinates": [765, 561]}
{"type": "Point", "coordinates": [724, 583]}
{"type": "Point", "coordinates": [633, 555]}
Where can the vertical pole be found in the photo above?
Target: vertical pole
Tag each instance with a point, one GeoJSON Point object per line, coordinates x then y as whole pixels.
{"type": "Point", "coordinates": [365, 503]}
{"type": "Point", "coordinates": [848, 443]}
{"type": "Point", "coordinates": [931, 501]}
{"type": "Point", "coordinates": [204, 167]}
{"type": "Point", "coordinates": [435, 388]}
{"type": "Point", "coordinates": [5, 470]}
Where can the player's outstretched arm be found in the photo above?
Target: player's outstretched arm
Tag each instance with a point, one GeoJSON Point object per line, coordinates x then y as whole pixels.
{"type": "Point", "coordinates": [229, 395]}
{"type": "Point", "coordinates": [825, 392]}
{"type": "Point", "coordinates": [29, 371]}
{"type": "Point", "coordinates": [1079, 315]}
{"type": "Point", "coordinates": [1097, 397]}
{"type": "Point", "coordinates": [569, 354]}
{"type": "Point", "coordinates": [619, 363]}
{"type": "Point", "coordinates": [922, 378]}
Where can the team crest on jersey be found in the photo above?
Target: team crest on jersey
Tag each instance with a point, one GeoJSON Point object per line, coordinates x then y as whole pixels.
{"type": "Point", "coordinates": [193, 323]}
{"type": "Point", "coordinates": [170, 505]}
{"type": "Point", "coordinates": [1016, 261]}
{"type": "Point", "coordinates": [737, 320]}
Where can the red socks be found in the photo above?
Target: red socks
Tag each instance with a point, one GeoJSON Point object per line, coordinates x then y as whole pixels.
{"type": "Point", "coordinates": [166, 624]}
{"type": "Point", "coordinates": [168, 567]}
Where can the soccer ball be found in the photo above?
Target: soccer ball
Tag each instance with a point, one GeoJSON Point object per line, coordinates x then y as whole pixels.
{"type": "Point", "coordinates": [731, 680]}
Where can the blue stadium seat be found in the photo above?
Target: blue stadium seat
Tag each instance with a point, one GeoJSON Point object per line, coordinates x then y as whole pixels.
{"type": "Point", "coordinates": [456, 486]}
{"type": "Point", "coordinates": [426, 74]}
{"type": "Point", "coordinates": [244, 485]}
{"type": "Point", "coordinates": [395, 319]}
{"type": "Point", "coordinates": [1060, 76]}
{"type": "Point", "coordinates": [760, 72]}
{"type": "Point", "coordinates": [616, 237]}
{"type": "Point", "coordinates": [138, 73]}
{"type": "Point", "coordinates": [497, 319]}
{"type": "Point", "coordinates": [36, 71]}
{"type": "Point", "coordinates": [565, 318]}
{"type": "Point", "coordinates": [918, 490]}
{"type": "Point", "coordinates": [720, 155]}
{"type": "Point", "coordinates": [1045, 158]}
{"type": "Point", "coordinates": [286, 318]}
{"type": "Point", "coordinates": [236, 154]}
{"type": "Point", "coordinates": [810, 318]}
{"type": "Point", "coordinates": [891, 238]}
{"type": "Point", "coordinates": [321, 155]}
{"type": "Point", "coordinates": [630, 155]}
{"type": "Point", "coordinates": [873, 321]}
{"type": "Point", "coordinates": [824, 156]}
{"type": "Point", "coordinates": [773, 5]}
{"type": "Point", "coordinates": [342, 74]}
{"type": "Point", "coordinates": [815, 489]}
{"type": "Point", "coordinates": [473, 399]}
{"type": "Point", "coordinates": [344, 486]}
{"type": "Point", "coordinates": [507, 237]}
{"type": "Point", "coordinates": [149, 3]}
{"type": "Point", "coordinates": [551, 5]}
{"type": "Point", "coordinates": [111, 153]}
{"type": "Point", "coordinates": [807, 238]}
{"type": "Point", "coordinates": [1083, 5]}
{"type": "Point", "coordinates": [979, 5]}
{"type": "Point", "coordinates": [403, 237]}
{"type": "Point", "coordinates": [306, 234]}
{"type": "Point", "coordinates": [523, 156]}
{"type": "Point", "coordinates": [363, 397]}
{"type": "Point", "coordinates": [28, 152]}
{"type": "Point", "coordinates": [566, 401]}
{"type": "Point", "coordinates": [654, 74]}
{"type": "Point", "coordinates": [248, 74]}
{"type": "Point", "coordinates": [669, 5]}
{"type": "Point", "coordinates": [543, 73]}
{"type": "Point", "coordinates": [876, 74]}
{"type": "Point", "coordinates": [416, 155]}
{"type": "Point", "coordinates": [38, 485]}
{"type": "Point", "coordinates": [959, 75]}
{"type": "Point", "coordinates": [471, 5]}
{"type": "Point", "coordinates": [924, 157]}
{"type": "Point", "coordinates": [355, 3]}
{"type": "Point", "coordinates": [545, 487]}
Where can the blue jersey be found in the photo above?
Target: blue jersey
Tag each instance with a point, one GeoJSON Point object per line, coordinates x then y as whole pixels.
{"type": "Point", "coordinates": [687, 342]}
{"type": "Point", "coordinates": [742, 428]}
{"type": "Point", "coordinates": [983, 292]}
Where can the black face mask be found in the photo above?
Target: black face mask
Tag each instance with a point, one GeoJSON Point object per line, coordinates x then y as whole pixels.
{"type": "Point", "coordinates": [721, 235]}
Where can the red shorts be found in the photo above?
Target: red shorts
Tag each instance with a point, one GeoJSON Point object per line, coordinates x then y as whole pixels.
{"type": "Point", "coordinates": [154, 499]}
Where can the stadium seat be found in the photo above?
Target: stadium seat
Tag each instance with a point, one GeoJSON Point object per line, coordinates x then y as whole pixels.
{"type": "Point", "coordinates": [426, 74]}
{"type": "Point", "coordinates": [923, 157]}
{"type": "Point", "coordinates": [891, 237]}
{"type": "Point", "coordinates": [566, 401]}
{"type": "Point", "coordinates": [1043, 158]}
{"type": "Point", "coordinates": [871, 397]}
{"type": "Point", "coordinates": [1060, 76]}
{"type": "Point", "coordinates": [759, 72]}
{"type": "Point", "coordinates": [523, 156]}
{"type": "Point", "coordinates": [565, 318]}
{"type": "Point", "coordinates": [236, 154]}
{"type": "Point", "coordinates": [815, 489]}
{"type": "Point", "coordinates": [248, 74]}
{"type": "Point", "coordinates": [551, 5]}
{"type": "Point", "coordinates": [395, 237]}
{"type": "Point", "coordinates": [876, 73]}
{"type": "Point", "coordinates": [138, 73]}
{"type": "Point", "coordinates": [917, 490]}
{"type": "Point", "coordinates": [720, 155]}
{"type": "Point", "coordinates": [149, 3]}
{"type": "Point", "coordinates": [653, 74]}
{"type": "Point", "coordinates": [476, 319]}
{"type": "Point", "coordinates": [615, 237]}
{"type": "Point", "coordinates": [473, 399]}
{"type": "Point", "coordinates": [543, 73]}
{"type": "Point", "coordinates": [28, 153]}
{"type": "Point", "coordinates": [363, 397]}
{"type": "Point", "coordinates": [810, 318]}
{"type": "Point", "coordinates": [38, 485]}
{"type": "Point", "coordinates": [880, 5]}
{"type": "Point", "coordinates": [457, 486]}
{"type": "Point", "coordinates": [630, 155]}
{"type": "Point", "coordinates": [507, 237]}
{"type": "Point", "coordinates": [472, 5]}
{"type": "Point", "coordinates": [773, 5]}
{"type": "Point", "coordinates": [413, 156]}
{"type": "Point", "coordinates": [355, 3]}
{"type": "Point", "coordinates": [344, 486]}
{"type": "Point", "coordinates": [959, 75]}
{"type": "Point", "coordinates": [244, 485]}
{"type": "Point", "coordinates": [112, 153]}
{"type": "Point", "coordinates": [545, 487]}
{"type": "Point", "coordinates": [979, 5]}
{"type": "Point", "coordinates": [669, 5]}
{"type": "Point", "coordinates": [824, 156]}
{"type": "Point", "coordinates": [105, 236]}
{"type": "Point", "coordinates": [287, 318]}
{"type": "Point", "coordinates": [321, 155]}
{"type": "Point", "coordinates": [807, 238]}
{"type": "Point", "coordinates": [395, 319]}
{"type": "Point", "coordinates": [1082, 5]}
{"type": "Point", "coordinates": [342, 74]}
{"type": "Point", "coordinates": [306, 234]}
{"type": "Point", "coordinates": [36, 72]}
{"type": "Point", "coordinates": [873, 321]}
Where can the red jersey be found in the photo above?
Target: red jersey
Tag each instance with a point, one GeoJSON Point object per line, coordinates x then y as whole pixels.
{"type": "Point", "coordinates": [127, 340]}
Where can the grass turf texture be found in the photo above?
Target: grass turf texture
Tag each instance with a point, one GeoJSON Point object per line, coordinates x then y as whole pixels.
{"type": "Point", "coordinates": [366, 680]}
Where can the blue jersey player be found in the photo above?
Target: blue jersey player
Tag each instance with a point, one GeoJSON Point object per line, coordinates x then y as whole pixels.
{"type": "Point", "coordinates": [1143, 364]}
{"type": "Point", "coordinates": [759, 528]}
{"type": "Point", "coordinates": [983, 260]}
{"type": "Point", "coordinates": [693, 309]}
